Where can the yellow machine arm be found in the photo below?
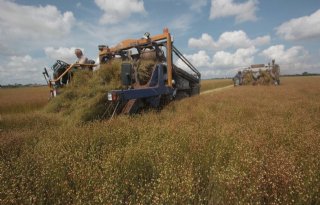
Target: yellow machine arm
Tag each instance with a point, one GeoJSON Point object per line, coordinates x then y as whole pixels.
{"type": "Point", "coordinates": [52, 81]}
{"type": "Point", "coordinates": [69, 68]}
{"type": "Point", "coordinates": [131, 43]}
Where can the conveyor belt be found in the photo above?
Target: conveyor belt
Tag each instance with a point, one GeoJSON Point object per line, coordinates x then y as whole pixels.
{"type": "Point", "coordinates": [185, 60]}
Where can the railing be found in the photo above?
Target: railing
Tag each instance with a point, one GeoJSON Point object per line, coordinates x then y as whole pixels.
{"type": "Point", "coordinates": [69, 68]}
{"type": "Point", "coordinates": [186, 61]}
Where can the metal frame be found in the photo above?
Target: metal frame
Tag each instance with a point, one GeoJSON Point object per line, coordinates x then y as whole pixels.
{"type": "Point", "coordinates": [51, 82]}
{"type": "Point", "coordinates": [133, 43]}
{"type": "Point", "coordinates": [157, 88]}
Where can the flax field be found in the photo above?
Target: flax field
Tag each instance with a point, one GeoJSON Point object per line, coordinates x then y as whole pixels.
{"type": "Point", "coordinates": [241, 145]}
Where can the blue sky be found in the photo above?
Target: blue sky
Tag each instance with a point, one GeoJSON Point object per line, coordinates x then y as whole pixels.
{"type": "Point", "coordinates": [218, 36]}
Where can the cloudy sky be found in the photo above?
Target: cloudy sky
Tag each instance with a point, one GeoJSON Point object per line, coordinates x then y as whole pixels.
{"type": "Point", "coordinates": [218, 36]}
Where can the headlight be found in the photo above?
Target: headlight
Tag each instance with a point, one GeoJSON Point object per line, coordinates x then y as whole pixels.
{"type": "Point", "coordinates": [110, 96]}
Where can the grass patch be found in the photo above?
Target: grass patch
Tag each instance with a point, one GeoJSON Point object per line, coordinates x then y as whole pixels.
{"type": "Point", "coordinates": [22, 100]}
{"type": "Point", "coordinates": [212, 84]}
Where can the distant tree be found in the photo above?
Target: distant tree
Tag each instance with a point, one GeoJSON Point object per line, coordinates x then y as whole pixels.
{"type": "Point", "coordinates": [305, 73]}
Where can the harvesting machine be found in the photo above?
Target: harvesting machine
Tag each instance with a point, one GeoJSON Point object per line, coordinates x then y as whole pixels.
{"type": "Point", "coordinates": [259, 74]}
{"type": "Point", "coordinates": [165, 81]}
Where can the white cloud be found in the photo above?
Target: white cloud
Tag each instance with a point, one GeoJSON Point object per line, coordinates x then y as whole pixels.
{"type": "Point", "coordinates": [242, 57]}
{"type": "Point", "coordinates": [199, 60]}
{"type": "Point", "coordinates": [113, 34]}
{"type": "Point", "coordinates": [26, 29]}
{"type": "Point", "coordinates": [221, 63]}
{"type": "Point", "coordinates": [181, 23]}
{"type": "Point", "coordinates": [305, 27]}
{"type": "Point", "coordinates": [285, 56]}
{"type": "Point", "coordinates": [235, 39]}
{"type": "Point", "coordinates": [79, 5]}
{"type": "Point", "coordinates": [198, 5]}
{"type": "Point", "coordinates": [261, 40]}
{"type": "Point", "coordinates": [5, 50]}
{"type": "Point", "coordinates": [245, 11]}
{"type": "Point", "coordinates": [118, 10]}
{"type": "Point", "coordinates": [20, 62]}
{"type": "Point", "coordinates": [22, 69]}
{"type": "Point", "coordinates": [61, 53]}
{"type": "Point", "coordinates": [25, 22]}
{"type": "Point", "coordinates": [292, 60]}
{"type": "Point", "coordinates": [204, 42]}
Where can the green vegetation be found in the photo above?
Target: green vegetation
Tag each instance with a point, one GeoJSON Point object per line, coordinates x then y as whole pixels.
{"type": "Point", "coordinates": [247, 145]}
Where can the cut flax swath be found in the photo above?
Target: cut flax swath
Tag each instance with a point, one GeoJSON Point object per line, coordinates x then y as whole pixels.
{"type": "Point", "coordinates": [85, 98]}
{"type": "Point", "coordinates": [247, 78]}
{"type": "Point", "coordinates": [144, 70]}
{"type": "Point", "coordinates": [262, 77]}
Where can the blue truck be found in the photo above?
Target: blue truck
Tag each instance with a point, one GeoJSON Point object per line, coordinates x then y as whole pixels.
{"type": "Point", "coordinates": [167, 81]}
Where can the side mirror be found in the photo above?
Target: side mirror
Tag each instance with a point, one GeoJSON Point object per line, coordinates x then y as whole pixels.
{"type": "Point", "coordinates": [126, 74]}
